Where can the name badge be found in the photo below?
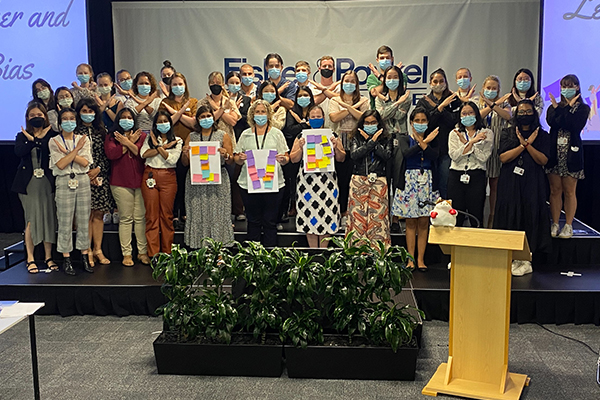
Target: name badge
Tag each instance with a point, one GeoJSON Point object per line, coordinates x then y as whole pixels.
{"type": "Point", "coordinates": [99, 179]}
{"type": "Point", "coordinates": [563, 141]}
{"type": "Point", "coordinates": [38, 173]}
{"type": "Point", "coordinates": [150, 182]}
{"type": "Point", "coordinates": [574, 149]}
{"type": "Point", "coordinates": [396, 142]}
{"type": "Point", "coordinates": [73, 184]}
{"type": "Point", "coordinates": [372, 177]}
{"type": "Point", "coordinates": [519, 171]}
{"type": "Point", "coordinates": [465, 178]}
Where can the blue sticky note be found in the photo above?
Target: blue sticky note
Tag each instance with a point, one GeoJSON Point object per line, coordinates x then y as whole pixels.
{"type": "Point", "coordinates": [310, 145]}
{"type": "Point", "coordinates": [205, 173]}
{"type": "Point", "coordinates": [268, 184]}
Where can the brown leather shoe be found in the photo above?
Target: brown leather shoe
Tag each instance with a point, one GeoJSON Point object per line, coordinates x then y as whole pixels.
{"type": "Point", "coordinates": [144, 259]}
{"type": "Point", "coordinates": [127, 261]}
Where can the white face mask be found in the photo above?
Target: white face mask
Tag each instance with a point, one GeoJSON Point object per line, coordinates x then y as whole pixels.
{"type": "Point", "coordinates": [438, 88]}
{"type": "Point", "coordinates": [66, 102]}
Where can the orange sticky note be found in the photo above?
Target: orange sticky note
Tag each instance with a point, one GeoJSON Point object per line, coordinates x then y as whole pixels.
{"type": "Point", "coordinates": [205, 166]}
{"type": "Point", "coordinates": [195, 150]}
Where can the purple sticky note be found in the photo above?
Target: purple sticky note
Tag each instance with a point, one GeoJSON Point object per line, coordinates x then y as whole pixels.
{"type": "Point", "coordinates": [261, 172]}
{"type": "Point", "coordinates": [249, 154]}
{"type": "Point", "coordinates": [250, 162]}
{"type": "Point", "coordinates": [310, 138]}
{"type": "Point", "coordinates": [272, 154]}
{"type": "Point", "coordinates": [203, 150]}
{"type": "Point", "coordinates": [256, 184]}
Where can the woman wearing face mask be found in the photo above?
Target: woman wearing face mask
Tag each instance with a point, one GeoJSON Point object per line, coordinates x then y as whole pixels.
{"type": "Point", "coordinates": [261, 208]}
{"type": "Point", "coordinates": [524, 88]}
{"type": "Point", "coordinates": [70, 158]}
{"type": "Point", "coordinates": [161, 150]}
{"type": "Point", "coordinates": [466, 91]}
{"type": "Point", "coordinates": [286, 89]}
{"type": "Point", "coordinates": [208, 206]}
{"type": "Point", "coordinates": [442, 112]}
{"type": "Point", "coordinates": [89, 123]}
{"type": "Point", "coordinates": [166, 72]}
{"type": "Point", "coordinates": [123, 148]}
{"type": "Point", "coordinates": [469, 146]}
{"type": "Point", "coordinates": [496, 113]}
{"type": "Point", "coordinates": [323, 221]}
{"type": "Point", "coordinates": [224, 108]}
{"type": "Point", "coordinates": [416, 182]}
{"type": "Point", "coordinates": [84, 87]}
{"type": "Point", "coordinates": [344, 113]}
{"type": "Point", "coordinates": [107, 103]}
{"type": "Point", "coordinates": [567, 119]}
{"type": "Point", "coordinates": [268, 91]}
{"type": "Point", "coordinates": [521, 202]}
{"type": "Point", "coordinates": [42, 92]}
{"type": "Point", "coordinates": [34, 183]}
{"type": "Point", "coordinates": [296, 121]}
{"type": "Point", "coordinates": [147, 102]}
{"type": "Point", "coordinates": [368, 201]}
{"type": "Point", "coordinates": [64, 99]}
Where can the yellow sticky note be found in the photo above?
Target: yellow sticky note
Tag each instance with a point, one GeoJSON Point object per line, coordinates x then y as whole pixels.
{"type": "Point", "coordinates": [326, 150]}
{"type": "Point", "coordinates": [211, 177]}
{"type": "Point", "coordinates": [326, 160]}
{"type": "Point", "coordinates": [310, 152]}
{"type": "Point", "coordinates": [322, 164]}
{"type": "Point", "coordinates": [204, 156]}
{"type": "Point", "coordinates": [312, 165]}
{"type": "Point", "coordinates": [195, 150]}
{"type": "Point", "coordinates": [270, 168]}
{"type": "Point", "coordinates": [325, 140]}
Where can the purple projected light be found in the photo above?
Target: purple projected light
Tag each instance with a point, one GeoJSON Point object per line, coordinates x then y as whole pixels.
{"type": "Point", "coordinates": [571, 31]}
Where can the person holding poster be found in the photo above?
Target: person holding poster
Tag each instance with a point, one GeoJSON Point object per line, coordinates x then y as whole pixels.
{"type": "Point", "coordinates": [368, 200]}
{"type": "Point", "coordinates": [318, 210]}
{"type": "Point", "coordinates": [260, 193]}
{"type": "Point", "coordinates": [207, 205]}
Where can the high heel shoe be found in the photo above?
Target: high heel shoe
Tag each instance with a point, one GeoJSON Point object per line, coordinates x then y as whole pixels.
{"type": "Point", "coordinates": [90, 257]}
{"type": "Point", "coordinates": [86, 263]}
{"type": "Point", "coordinates": [98, 255]}
{"type": "Point", "coordinates": [68, 267]}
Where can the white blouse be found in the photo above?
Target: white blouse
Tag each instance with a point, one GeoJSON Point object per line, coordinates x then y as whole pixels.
{"type": "Point", "coordinates": [56, 155]}
{"type": "Point", "coordinates": [157, 161]}
{"type": "Point", "coordinates": [144, 120]}
{"type": "Point", "coordinates": [476, 158]}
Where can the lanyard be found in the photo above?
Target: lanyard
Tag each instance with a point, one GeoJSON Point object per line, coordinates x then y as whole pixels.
{"type": "Point", "coordinates": [67, 147]}
{"type": "Point", "coordinates": [263, 141]}
{"type": "Point", "coordinates": [209, 136]}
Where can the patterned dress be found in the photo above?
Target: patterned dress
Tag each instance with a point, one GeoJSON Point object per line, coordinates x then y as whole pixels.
{"type": "Point", "coordinates": [368, 209]}
{"type": "Point", "coordinates": [208, 207]}
{"type": "Point", "coordinates": [317, 203]}
{"type": "Point", "coordinates": [102, 198]}
{"type": "Point", "coordinates": [496, 124]}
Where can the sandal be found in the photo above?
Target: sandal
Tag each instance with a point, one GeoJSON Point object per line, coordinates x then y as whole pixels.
{"type": "Point", "coordinates": [422, 268]}
{"type": "Point", "coordinates": [52, 267]}
{"type": "Point", "coordinates": [101, 258]}
{"type": "Point", "coordinates": [90, 255]}
{"type": "Point", "coordinates": [32, 268]}
{"type": "Point", "coordinates": [410, 265]}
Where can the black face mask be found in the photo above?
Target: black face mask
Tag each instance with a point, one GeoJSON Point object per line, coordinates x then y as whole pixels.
{"type": "Point", "coordinates": [37, 122]}
{"type": "Point", "coordinates": [216, 89]}
{"type": "Point", "coordinates": [166, 80]}
{"type": "Point", "coordinates": [326, 73]}
{"type": "Point", "coordinates": [525, 119]}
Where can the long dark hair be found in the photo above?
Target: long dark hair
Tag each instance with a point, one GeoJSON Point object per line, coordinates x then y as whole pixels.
{"type": "Point", "coordinates": [201, 110]}
{"type": "Point", "coordinates": [51, 100]}
{"type": "Point", "coordinates": [97, 122]}
{"type": "Point", "coordinates": [478, 120]}
{"type": "Point", "coordinates": [262, 87]}
{"type": "Point", "coordinates": [170, 135]}
{"type": "Point", "coordinates": [440, 71]}
{"type": "Point", "coordinates": [570, 79]}
{"type": "Point", "coordinates": [512, 101]}
{"type": "Point", "coordinates": [401, 88]}
{"type": "Point", "coordinates": [35, 104]}
{"type": "Point", "coordinates": [116, 127]}
{"type": "Point", "coordinates": [361, 122]}
{"type": "Point", "coordinates": [536, 121]}
{"type": "Point", "coordinates": [356, 94]}
{"type": "Point", "coordinates": [61, 113]}
{"type": "Point", "coordinates": [296, 108]}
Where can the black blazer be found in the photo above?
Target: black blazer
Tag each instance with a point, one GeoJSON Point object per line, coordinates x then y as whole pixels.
{"type": "Point", "coordinates": [572, 120]}
{"type": "Point", "coordinates": [242, 124]}
{"type": "Point", "coordinates": [23, 149]}
{"type": "Point", "coordinates": [404, 150]}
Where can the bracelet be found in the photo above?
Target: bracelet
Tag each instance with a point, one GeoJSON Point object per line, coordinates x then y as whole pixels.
{"type": "Point", "coordinates": [492, 106]}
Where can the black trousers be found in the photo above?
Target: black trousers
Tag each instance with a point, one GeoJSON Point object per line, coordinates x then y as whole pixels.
{"type": "Point", "coordinates": [179, 206]}
{"type": "Point", "coordinates": [344, 175]}
{"type": "Point", "coordinates": [468, 197]}
{"type": "Point", "coordinates": [261, 215]}
{"type": "Point", "coordinates": [290, 173]}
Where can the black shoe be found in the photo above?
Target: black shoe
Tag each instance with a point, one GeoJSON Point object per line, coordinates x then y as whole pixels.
{"type": "Point", "coordinates": [395, 227]}
{"type": "Point", "coordinates": [86, 263]}
{"type": "Point", "coordinates": [68, 267]}
{"type": "Point", "coordinates": [284, 219]}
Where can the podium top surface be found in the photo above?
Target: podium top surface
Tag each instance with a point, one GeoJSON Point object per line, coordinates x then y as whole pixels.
{"type": "Point", "coordinates": [495, 239]}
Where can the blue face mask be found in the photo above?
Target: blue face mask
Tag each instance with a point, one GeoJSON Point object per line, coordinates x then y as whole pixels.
{"type": "Point", "coordinates": [206, 122]}
{"type": "Point", "coordinates": [126, 84]}
{"type": "Point", "coordinates": [303, 101]}
{"type": "Point", "coordinates": [126, 124]}
{"type": "Point", "coordinates": [177, 90]}
{"type": "Point", "coordinates": [523, 86]}
{"type": "Point", "coordinates": [144, 90]}
{"type": "Point", "coordinates": [370, 129]}
{"type": "Point", "coordinates": [463, 83]}
{"type": "Point", "coordinates": [83, 78]}
{"type": "Point", "coordinates": [163, 127]}
{"type": "Point", "coordinates": [490, 94]}
{"type": "Point", "coordinates": [316, 123]}
{"type": "Point", "coordinates": [349, 88]}
{"type": "Point", "coordinates": [87, 118]}
{"type": "Point", "coordinates": [247, 80]}
{"type": "Point", "coordinates": [274, 73]}
{"type": "Point", "coordinates": [392, 84]}
{"type": "Point", "coordinates": [420, 128]}
{"type": "Point", "coordinates": [468, 120]}
{"type": "Point", "coordinates": [385, 64]}
{"type": "Point", "coordinates": [260, 120]}
{"type": "Point", "coordinates": [269, 96]}
{"type": "Point", "coordinates": [301, 76]}
{"type": "Point", "coordinates": [68, 126]}
{"type": "Point", "coordinates": [568, 92]}
{"type": "Point", "coordinates": [233, 88]}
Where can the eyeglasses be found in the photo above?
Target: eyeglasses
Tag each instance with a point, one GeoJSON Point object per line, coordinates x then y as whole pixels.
{"type": "Point", "coordinates": [529, 112]}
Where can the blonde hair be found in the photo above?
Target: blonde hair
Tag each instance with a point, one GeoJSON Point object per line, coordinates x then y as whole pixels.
{"type": "Point", "coordinates": [218, 74]}
{"type": "Point", "coordinates": [302, 63]}
{"type": "Point", "coordinates": [494, 78]}
{"type": "Point", "coordinates": [252, 110]}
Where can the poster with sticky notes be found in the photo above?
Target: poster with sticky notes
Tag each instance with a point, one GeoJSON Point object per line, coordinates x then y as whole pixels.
{"type": "Point", "coordinates": [205, 163]}
{"type": "Point", "coordinates": [261, 167]}
{"type": "Point", "coordinates": [318, 153]}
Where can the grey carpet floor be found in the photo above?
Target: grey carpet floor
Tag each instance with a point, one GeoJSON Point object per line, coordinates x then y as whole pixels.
{"type": "Point", "coordinates": [91, 357]}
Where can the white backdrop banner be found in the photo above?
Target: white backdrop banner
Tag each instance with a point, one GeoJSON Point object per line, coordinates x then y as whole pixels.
{"type": "Point", "coordinates": [490, 37]}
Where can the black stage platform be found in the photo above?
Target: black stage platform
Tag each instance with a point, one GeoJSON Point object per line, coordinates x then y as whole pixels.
{"type": "Point", "coordinates": [545, 296]}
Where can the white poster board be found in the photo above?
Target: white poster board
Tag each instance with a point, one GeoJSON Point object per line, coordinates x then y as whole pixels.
{"type": "Point", "coordinates": [205, 163]}
{"type": "Point", "coordinates": [317, 152]}
{"type": "Point", "coordinates": [261, 167]}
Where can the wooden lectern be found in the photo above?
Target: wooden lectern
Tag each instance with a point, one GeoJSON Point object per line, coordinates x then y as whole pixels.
{"type": "Point", "coordinates": [480, 283]}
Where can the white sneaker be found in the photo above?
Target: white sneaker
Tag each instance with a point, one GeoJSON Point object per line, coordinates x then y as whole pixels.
{"type": "Point", "coordinates": [450, 265]}
{"type": "Point", "coordinates": [241, 217]}
{"type": "Point", "coordinates": [279, 227]}
{"type": "Point", "coordinates": [343, 221]}
{"type": "Point", "coordinates": [107, 218]}
{"type": "Point", "coordinates": [523, 269]}
{"type": "Point", "coordinates": [516, 264]}
{"type": "Point", "coordinates": [554, 230]}
{"type": "Point", "coordinates": [566, 232]}
{"type": "Point", "coordinates": [116, 218]}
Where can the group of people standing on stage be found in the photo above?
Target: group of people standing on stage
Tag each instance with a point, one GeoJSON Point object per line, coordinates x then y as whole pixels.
{"type": "Point", "coordinates": [124, 144]}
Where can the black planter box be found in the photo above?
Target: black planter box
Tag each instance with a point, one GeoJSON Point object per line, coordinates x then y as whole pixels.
{"type": "Point", "coordinates": [352, 362]}
{"type": "Point", "coordinates": [217, 359]}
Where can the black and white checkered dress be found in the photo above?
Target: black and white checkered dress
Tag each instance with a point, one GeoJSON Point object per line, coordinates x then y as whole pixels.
{"type": "Point", "coordinates": [317, 203]}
